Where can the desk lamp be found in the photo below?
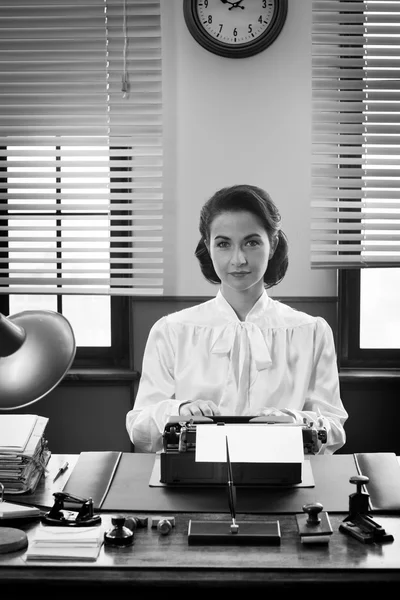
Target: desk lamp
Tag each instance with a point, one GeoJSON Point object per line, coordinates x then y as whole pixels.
{"type": "Point", "coordinates": [37, 348]}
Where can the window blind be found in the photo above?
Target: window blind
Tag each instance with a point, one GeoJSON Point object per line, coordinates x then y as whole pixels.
{"type": "Point", "coordinates": [355, 203]}
{"type": "Point", "coordinates": [81, 152]}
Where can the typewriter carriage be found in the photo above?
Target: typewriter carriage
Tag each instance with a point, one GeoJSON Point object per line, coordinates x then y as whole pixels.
{"type": "Point", "coordinates": [178, 465]}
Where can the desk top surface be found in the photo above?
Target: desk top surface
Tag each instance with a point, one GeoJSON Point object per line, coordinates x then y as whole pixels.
{"type": "Point", "coordinates": [155, 560]}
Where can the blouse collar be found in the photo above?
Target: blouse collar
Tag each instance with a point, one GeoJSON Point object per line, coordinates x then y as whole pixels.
{"type": "Point", "coordinates": [258, 309]}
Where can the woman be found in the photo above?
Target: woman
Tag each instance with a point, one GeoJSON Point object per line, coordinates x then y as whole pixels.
{"type": "Point", "coordinates": [241, 353]}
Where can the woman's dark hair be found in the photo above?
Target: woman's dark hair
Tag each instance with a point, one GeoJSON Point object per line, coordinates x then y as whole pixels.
{"type": "Point", "coordinates": [258, 202]}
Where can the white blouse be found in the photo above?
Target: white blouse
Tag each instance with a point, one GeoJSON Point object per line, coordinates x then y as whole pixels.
{"type": "Point", "coordinates": [278, 357]}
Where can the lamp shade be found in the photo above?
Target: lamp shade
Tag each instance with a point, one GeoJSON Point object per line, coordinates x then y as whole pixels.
{"type": "Point", "coordinates": [37, 347]}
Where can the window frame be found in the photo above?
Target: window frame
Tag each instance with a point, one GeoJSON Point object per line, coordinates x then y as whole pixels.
{"type": "Point", "coordinates": [351, 356]}
{"type": "Point", "coordinates": [118, 354]}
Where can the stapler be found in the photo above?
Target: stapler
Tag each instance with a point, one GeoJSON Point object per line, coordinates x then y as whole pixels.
{"type": "Point", "coordinates": [358, 523]}
{"type": "Point", "coordinates": [58, 515]}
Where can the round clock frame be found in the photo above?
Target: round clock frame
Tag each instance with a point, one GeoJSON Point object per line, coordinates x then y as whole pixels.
{"type": "Point", "coordinates": [235, 50]}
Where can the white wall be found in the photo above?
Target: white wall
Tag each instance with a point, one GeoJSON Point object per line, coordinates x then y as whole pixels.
{"type": "Point", "coordinates": [231, 121]}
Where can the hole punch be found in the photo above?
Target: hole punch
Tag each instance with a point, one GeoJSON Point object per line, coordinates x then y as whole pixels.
{"type": "Point", "coordinates": [60, 516]}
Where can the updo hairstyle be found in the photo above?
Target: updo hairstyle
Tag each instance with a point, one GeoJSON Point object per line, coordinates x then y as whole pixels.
{"type": "Point", "coordinates": [258, 202]}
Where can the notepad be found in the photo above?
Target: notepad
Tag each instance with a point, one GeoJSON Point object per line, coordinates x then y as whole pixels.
{"type": "Point", "coordinates": [9, 510]}
{"type": "Point", "coordinates": [66, 543]}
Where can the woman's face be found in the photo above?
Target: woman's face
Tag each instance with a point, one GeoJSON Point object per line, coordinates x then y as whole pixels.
{"type": "Point", "coordinates": [240, 250]}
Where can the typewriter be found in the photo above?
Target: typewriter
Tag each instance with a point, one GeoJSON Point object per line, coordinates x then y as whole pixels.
{"type": "Point", "coordinates": [179, 467]}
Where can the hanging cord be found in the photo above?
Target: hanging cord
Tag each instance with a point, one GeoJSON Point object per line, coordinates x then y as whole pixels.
{"type": "Point", "coordinates": [125, 76]}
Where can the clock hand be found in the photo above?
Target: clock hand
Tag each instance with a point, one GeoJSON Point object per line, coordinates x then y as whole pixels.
{"type": "Point", "coordinates": [232, 4]}
{"type": "Point", "coordinates": [236, 5]}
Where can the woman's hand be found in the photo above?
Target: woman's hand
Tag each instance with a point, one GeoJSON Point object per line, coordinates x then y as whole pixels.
{"type": "Point", "coordinates": [199, 408]}
{"type": "Point", "coordinates": [279, 415]}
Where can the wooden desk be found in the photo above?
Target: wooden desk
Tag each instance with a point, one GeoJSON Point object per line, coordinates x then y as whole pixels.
{"type": "Point", "coordinates": [158, 562]}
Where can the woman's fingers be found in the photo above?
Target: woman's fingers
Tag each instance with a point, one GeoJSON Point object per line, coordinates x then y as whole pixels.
{"type": "Point", "coordinates": [199, 408]}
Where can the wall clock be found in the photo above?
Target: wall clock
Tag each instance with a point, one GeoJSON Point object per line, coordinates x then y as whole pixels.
{"type": "Point", "coordinates": [235, 29]}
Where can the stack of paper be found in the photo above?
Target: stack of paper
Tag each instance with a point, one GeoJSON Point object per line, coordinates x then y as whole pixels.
{"type": "Point", "coordinates": [66, 543]}
{"type": "Point", "coordinates": [23, 452]}
{"type": "Point", "coordinates": [10, 510]}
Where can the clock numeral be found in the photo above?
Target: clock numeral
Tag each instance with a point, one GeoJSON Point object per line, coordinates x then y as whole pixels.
{"type": "Point", "coordinates": [206, 3]}
{"type": "Point", "coordinates": [260, 19]}
{"type": "Point", "coordinates": [209, 19]}
{"type": "Point", "coordinates": [234, 32]}
{"type": "Point", "coordinates": [220, 28]}
{"type": "Point", "coordinates": [250, 29]}
{"type": "Point", "coordinates": [264, 3]}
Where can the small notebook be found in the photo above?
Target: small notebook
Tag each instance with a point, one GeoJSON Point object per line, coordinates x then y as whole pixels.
{"type": "Point", "coordinates": [9, 510]}
{"type": "Point", "coordinates": [66, 543]}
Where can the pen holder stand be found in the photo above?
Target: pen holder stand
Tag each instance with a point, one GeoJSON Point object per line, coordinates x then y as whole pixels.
{"type": "Point", "coordinates": [249, 532]}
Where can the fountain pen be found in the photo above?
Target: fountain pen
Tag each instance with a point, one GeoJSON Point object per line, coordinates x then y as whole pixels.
{"type": "Point", "coordinates": [231, 492]}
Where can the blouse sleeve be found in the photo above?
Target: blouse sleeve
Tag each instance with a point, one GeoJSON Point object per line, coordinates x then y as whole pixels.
{"type": "Point", "coordinates": [323, 404]}
{"type": "Point", "coordinates": [155, 399]}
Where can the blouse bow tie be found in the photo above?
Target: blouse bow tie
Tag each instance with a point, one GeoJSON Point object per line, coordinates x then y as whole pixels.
{"type": "Point", "coordinates": [226, 336]}
{"type": "Point", "coordinates": [245, 344]}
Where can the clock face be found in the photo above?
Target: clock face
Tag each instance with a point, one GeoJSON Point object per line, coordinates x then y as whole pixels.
{"type": "Point", "coordinates": [235, 29]}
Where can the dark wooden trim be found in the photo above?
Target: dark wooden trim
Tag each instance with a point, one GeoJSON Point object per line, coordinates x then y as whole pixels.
{"type": "Point", "coordinates": [105, 375]}
{"type": "Point", "coordinates": [287, 582]}
{"type": "Point", "coordinates": [349, 374]}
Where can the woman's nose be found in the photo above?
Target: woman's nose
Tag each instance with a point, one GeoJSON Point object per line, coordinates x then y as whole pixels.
{"type": "Point", "coordinates": [238, 257]}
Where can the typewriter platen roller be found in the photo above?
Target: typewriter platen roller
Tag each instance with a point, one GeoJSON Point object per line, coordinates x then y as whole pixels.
{"type": "Point", "coordinates": [178, 465]}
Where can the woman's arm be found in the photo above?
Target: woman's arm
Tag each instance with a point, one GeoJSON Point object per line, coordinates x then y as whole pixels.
{"type": "Point", "coordinates": [323, 405]}
{"type": "Point", "coordinates": [155, 399]}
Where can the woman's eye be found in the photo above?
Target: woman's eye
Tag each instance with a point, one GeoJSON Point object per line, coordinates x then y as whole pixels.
{"type": "Point", "coordinates": [222, 245]}
{"type": "Point", "coordinates": [253, 243]}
